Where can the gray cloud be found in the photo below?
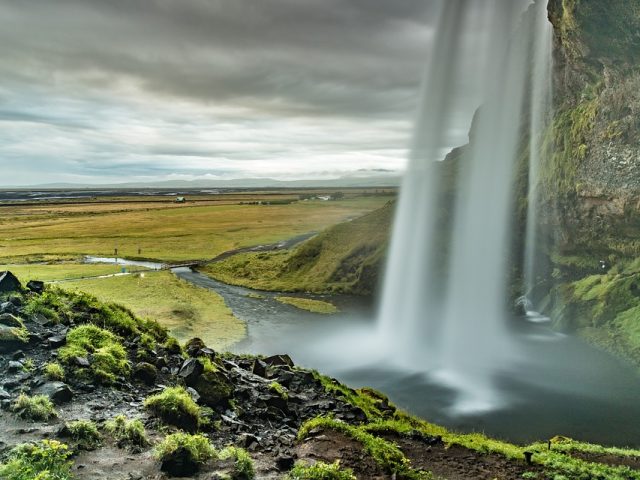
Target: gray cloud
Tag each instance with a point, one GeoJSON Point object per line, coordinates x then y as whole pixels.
{"type": "Point", "coordinates": [110, 88]}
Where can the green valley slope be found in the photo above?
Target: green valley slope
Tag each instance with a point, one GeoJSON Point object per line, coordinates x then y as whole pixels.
{"type": "Point", "coordinates": [345, 258]}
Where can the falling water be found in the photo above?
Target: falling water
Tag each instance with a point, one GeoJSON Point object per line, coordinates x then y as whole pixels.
{"type": "Point", "coordinates": [443, 301]}
{"type": "Point", "coordinates": [541, 102]}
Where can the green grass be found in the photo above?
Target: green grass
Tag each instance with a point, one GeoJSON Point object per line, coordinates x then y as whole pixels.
{"type": "Point", "coordinates": [387, 455]}
{"type": "Point", "coordinates": [85, 433]}
{"type": "Point", "coordinates": [315, 306]}
{"type": "Point", "coordinates": [127, 432]}
{"type": "Point", "coordinates": [108, 356]}
{"type": "Point", "coordinates": [186, 310]}
{"type": "Point", "coordinates": [243, 464]}
{"type": "Point", "coordinates": [320, 471]}
{"type": "Point", "coordinates": [343, 258]}
{"type": "Point", "coordinates": [47, 460]}
{"type": "Point", "coordinates": [174, 406]}
{"type": "Point", "coordinates": [198, 447]}
{"type": "Point", "coordinates": [60, 271]}
{"type": "Point", "coordinates": [166, 232]}
{"type": "Point", "coordinates": [36, 408]}
{"type": "Point", "coordinates": [279, 389]}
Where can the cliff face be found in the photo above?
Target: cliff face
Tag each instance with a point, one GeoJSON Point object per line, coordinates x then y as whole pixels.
{"type": "Point", "coordinates": [592, 179]}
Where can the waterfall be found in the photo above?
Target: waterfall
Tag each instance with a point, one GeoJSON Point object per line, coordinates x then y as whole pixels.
{"type": "Point", "coordinates": [445, 286]}
{"type": "Point", "coordinates": [541, 107]}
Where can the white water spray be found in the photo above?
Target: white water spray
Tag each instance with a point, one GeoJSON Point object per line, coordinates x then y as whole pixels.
{"type": "Point", "coordinates": [443, 301]}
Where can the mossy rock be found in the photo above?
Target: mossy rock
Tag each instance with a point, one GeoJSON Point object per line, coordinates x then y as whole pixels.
{"type": "Point", "coordinates": [214, 388]}
{"type": "Point", "coordinates": [12, 338]}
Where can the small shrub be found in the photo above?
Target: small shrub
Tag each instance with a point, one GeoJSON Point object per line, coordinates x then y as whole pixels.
{"type": "Point", "coordinates": [243, 466]}
{"type": "Point", "coordinates": [54, 371]}
{"type": "Point", "coordinates": [85, 433]}
{"type": "Point", "coordinates": [175, 406]}
{"type": "Point", "coordinates": [47, 460]}
{"type": "Point", "coordinates": [320, 471]}
{"type": "Point", "coordinates": [198, 447]}
{"type": "Point", "coordinates": [109, 358]}
{"type": "Point", "coordinates": [38, 407]}
{"type": "Point", "coordinates": [127, 432]}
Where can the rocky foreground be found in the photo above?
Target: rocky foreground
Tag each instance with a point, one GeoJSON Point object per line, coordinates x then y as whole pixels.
{"type": "Point", "coordinates": [89, 391]}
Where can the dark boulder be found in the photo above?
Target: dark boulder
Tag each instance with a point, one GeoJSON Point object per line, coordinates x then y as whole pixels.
{"type": "Point", "coordinates": [4, 395]}
{"type": "Point", "coordinates": [284, 463]}
{"type": "Point", "coordinates": [8, 307]}
{"type": "Point", "coordinates": [259, 368]}
{"type": "Point", "coordinates": [82, 362]}
{"type": "Point", "coordinates": [190, 371]}
{"type": "Point", "coordinates": [193, 346]}
{"type": "Point", "coordinates": [179, 463]}
{"type": "Point", "coordinates": [214, 388]}
{"type": "Point", "coordinates": [279, 361]}
{"type": "Point", "coordinates": [15, 366]}
{"type": "Point", "coordinates": [11, 339]}
{"type": "Point", "coordinates": [58, 392]}
{"type": "Point", "coordinates": [57, 341]}
{"type": "Point", "coordinates": [145, 372]}
{"type": "Point", "coordinates": [36, 286]}
{"type": "Point", "coordinates": [9, 283]}
{"type": "Point", "coordinates": [10, 320]}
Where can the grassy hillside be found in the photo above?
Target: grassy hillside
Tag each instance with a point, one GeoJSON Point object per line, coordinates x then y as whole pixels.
{"type": "Point", "coordinates": [344, 258]}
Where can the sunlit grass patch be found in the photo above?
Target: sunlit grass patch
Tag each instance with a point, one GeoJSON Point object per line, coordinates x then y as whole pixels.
{"type": "Point", "coordinates": [315, 306]}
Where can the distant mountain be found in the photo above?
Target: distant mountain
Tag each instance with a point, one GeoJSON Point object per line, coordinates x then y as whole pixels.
{"type": "Point", "coordinates": [342, 182]}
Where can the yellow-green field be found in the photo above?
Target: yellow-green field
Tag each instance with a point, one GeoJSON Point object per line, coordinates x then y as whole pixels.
{"type": "Point", "coordinates": [164, 231]}
{"type": "Point", "coordinates": [60, 271]}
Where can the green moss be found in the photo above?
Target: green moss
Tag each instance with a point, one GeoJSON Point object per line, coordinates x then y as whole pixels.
{"type": "Point", "coordinates": [107, 355]}
{"type": "Point", "coordinates": [38, 407]}
{"type": "Point", "coordinates": [198, 447]}
{"type": "Point", "coordinates": [279, 389]}
{"type": "Point", "coordinates": [367, 399]}
{"type": "Point", "coordinates": [175, 406]}
{"type": "Point", "coordinates": [172, 345]}
{"type": "Point", "coordinates": [48, 304]}
{"type": "Point", "coordinates": [243, 464]}
{"type": "Point", "coordinates": [85, 433]}
{"type": "Point", "coordinates": [320, 471]}
{"type": "Point", "coordinates": [47, 460]}
{"type": "Point", "coordinates": [127, 432]}
{"type": "Point", "coordinates": [384, 453]}
{"type": "Point", "coordinates": [53, 371]}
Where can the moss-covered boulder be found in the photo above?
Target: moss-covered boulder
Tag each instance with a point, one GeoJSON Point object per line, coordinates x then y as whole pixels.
{"type": "Point", "coordinates": [214, 388]}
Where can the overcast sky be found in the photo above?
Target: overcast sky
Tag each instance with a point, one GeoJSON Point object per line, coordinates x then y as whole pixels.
{"type": "Point", "coordinates": [121, 90]}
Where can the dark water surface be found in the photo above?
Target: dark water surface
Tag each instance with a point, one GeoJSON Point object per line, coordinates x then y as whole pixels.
{"type": "Point", "coordinates": [557, 385]}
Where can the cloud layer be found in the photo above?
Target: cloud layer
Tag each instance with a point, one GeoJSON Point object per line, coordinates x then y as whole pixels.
{"type": "Point", "coordinates": [102, 90]}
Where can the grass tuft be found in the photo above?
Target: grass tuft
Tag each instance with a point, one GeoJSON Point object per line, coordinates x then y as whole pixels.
{"type": "Point", "coordinates": [85, 433]}
{"type": "Point", "coordinates": [320, 471]}
{"type": "Point", "coordinates": [198, 447]}
{"type": "Point", "coordinates": [175, 406]}
{"type": "Point", "coordinates": [54, 371]}
{"type": "Point", "coordinates": [127, 432]}
{"type": "Point", "coordinates": [36, 408]}
{"type": "Point", "coordinates": [243, 466]}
